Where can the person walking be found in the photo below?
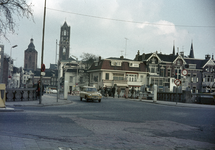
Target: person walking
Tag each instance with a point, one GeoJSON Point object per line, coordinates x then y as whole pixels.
{"type": "Point", "coordinates": [113, 91]}
{"type": "Point", "coordinates": [106, 91]}
{"type": "Point", "coordinates": [118, 91]}
{"type": "Point", "coordinates": [38, 89]}
{"type": "Point", "coordinates": [126, 92]}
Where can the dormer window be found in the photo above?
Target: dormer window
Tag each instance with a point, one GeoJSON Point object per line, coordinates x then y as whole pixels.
{"type": "Point", "coordinates": [178, 62]}
{"type": "Point", "coordinates": [153, 60]}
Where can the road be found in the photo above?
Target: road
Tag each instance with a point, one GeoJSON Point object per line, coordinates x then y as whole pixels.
{"type": "Point", "coordinates": [111, 124]}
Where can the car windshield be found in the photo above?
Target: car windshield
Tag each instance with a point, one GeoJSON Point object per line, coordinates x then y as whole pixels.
{"type": "Point", "coordinates": [91, 89]}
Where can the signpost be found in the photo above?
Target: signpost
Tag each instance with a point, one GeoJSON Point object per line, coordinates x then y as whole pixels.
{"type": "Point", "coordinates": [184, 72]}
{"type": "Point", "coordinates": [177, 83]}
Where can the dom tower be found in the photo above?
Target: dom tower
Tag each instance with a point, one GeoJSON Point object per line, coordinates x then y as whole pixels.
{"type": "Point", "coordinates": [30, 60]}
{"type": "Point", "coordinates": [64, 42]}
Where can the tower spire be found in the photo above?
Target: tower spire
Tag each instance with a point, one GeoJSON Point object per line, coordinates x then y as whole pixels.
{"type": "Point", "coordinates": [173, 52]}
{"type": "Point", "coordinates": [191, 50]}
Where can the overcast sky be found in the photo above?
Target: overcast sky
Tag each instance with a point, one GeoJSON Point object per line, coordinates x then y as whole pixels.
{"type": "Point", "coordinates": [149, 26]}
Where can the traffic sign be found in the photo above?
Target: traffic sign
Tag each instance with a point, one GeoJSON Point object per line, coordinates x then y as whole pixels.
{"type": "Point", "coordinates": [43, 68]}
{"type": "Point", "coordinates": [177, 82]}
{"type": "Point", "coordinates": [184, 72]}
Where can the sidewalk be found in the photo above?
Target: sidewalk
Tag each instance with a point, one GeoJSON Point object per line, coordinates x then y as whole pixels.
{"type": "Point", "coordinates": [47, 100]}
{"type": "Point", "coordinates": [178, 104]}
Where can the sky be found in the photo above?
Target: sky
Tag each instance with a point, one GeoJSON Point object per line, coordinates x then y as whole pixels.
{"type": "Point", "coordinates": [116, 27]}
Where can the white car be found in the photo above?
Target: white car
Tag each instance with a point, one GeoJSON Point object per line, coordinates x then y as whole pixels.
{"type": "Point", "coordinates": [90, 93]}
{"type": "Point", "coordinates": [54, 91]}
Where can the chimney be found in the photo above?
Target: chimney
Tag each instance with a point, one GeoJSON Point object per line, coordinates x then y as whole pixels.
{"type": "Point", "coordinates": [207, 57]}
{"type": "Point", "coordinates": [212, 56]}
{"type": "Point", "coordinates": [182, 54]}
{"type": "Point", "coordinates": [121, 57]}
{"type": "Point", "coordinates": [99, 58]}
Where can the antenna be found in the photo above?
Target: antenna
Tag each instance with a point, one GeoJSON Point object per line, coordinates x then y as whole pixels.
{"type": "Point", "coordinates": [121, 52]}
{"type": "Point", "coordinates": [125, 45]}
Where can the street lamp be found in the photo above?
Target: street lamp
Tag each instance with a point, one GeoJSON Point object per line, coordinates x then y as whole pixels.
{"type": "Point", "coordinates": [11, 50]}
{"type": "Point", "coordinates": [9, 64]}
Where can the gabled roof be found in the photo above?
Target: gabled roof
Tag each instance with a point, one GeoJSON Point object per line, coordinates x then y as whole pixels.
{"type": "Point", "coordinates": [116, 58]}
{"type": "Point", "coordinates": [199, 62]}
{"type": "Point", "coordinates": [106, 64]}
{"type": "Point", "coordinates": [165, 57]}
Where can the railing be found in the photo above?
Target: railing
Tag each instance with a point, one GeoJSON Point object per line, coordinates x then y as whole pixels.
{"type": "Point", "coordinates": [169, 96]}
{"type": "Point", "coordinates": [22, 94]}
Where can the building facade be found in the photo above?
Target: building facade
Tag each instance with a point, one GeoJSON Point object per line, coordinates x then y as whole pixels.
{"type": "Point", "coordinates": [30, 59]}
{"type": "Point", "coordinates": [119, 72]}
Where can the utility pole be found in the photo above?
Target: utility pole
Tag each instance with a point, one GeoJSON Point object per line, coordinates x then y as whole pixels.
{"type": "Point", "coordinates": [41, 86]}
{"type": "Point", "coordinates": [125, 46]}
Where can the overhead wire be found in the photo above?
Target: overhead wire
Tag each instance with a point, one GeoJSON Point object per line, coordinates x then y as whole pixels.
{"type": "Point", "coordinates": [128, 21]}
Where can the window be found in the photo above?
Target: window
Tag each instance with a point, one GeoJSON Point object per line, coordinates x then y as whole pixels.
{"type": "Point", "coordinates": [117, 76]}
{"type": "Point", "coordinates": [178, 73]}
{"type": "Point", "coordinates": [71, 79]}
{"type": "Point", "coordinates": [64, 32]}
{"type": "Point", "coordinates": [153, 68]}
{"type": "Point", "coordinates": [132, 77]}
{"type": "Point", "coordinates": [141, 78]}
{"type": "Point", "coordinates": [107, 76]}
{"type": "Point", "coordinates": [162, 71]}
{"type": "Point", "coordinates": [95, 78]}
{"type": "Point", "coordinates": [64, 50]}
{"type": "Point", "coordinates": [169, 73]}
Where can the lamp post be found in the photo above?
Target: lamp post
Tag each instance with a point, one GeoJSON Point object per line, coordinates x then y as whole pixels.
{"type": "Point", "coordinates": [9, 64]}
{"type": "Point", "coordinates": [76, 80]}
{"type": "Point", "coordinates": [41, 87]}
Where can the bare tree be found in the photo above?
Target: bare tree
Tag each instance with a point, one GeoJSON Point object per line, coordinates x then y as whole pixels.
{"type": "Point", "coordinates": [88, 59]}
{"type": "Point", "coordinates": [8, 10]}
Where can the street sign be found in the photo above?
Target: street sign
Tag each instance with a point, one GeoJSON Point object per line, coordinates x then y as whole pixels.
{"type": "Point", "coordinates": [43, 73]}
{"type": "Point", "coordinates": [184, 72]}
{"type": "Point", "coordinates": [43, 68]}
{"type": "Point", "coordinates": [177, 82]}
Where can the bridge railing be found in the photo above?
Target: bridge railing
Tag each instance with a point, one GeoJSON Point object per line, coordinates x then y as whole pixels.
{"type": "Point", "coordinates": [21, 94]}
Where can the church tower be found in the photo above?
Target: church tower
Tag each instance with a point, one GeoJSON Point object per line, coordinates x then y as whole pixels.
{"type": "Point", "coordinates": [64, 46]}
{"type": "Point", "coordinates": [30, 60]}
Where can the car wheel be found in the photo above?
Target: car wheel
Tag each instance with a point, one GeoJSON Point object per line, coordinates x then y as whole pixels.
{"type": "Point", "coordinates": [80, 98]}
{"type": "Point", "coordinates": [99, 100]}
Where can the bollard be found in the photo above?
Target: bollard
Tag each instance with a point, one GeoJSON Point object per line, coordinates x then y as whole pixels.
{"type": "Point", "coordinates": [155, 93]}
{"type": "Point", "coordinates": [2, 95]}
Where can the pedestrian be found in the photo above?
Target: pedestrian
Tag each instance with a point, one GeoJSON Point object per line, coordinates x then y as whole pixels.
{"type": "Point", "coordinates": [126, 92]}
{"type": "Point", "coordinates": [38, 89]}
{"type": "Point", "coordinates": [106, 91]}
{"type": "Point", "coordinates": [132, 92]}
{"type": "Point", "coordinates": [118, 91]}
{"type": "Point", "coordinates": [113, 91]}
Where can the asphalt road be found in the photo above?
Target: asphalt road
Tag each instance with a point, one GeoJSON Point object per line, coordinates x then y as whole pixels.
{"type": "Point", "coordinates": [113, 124]}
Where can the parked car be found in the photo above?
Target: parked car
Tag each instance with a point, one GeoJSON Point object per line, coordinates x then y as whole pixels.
{"type": "Point", "coordinates": [90, 93]}
{"type": "Point", "coordinates": [54, 91]}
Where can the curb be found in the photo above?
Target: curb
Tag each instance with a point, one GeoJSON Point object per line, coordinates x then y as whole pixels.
{"type": "Point", "coordinates": [8, 109]}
